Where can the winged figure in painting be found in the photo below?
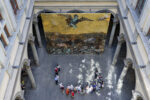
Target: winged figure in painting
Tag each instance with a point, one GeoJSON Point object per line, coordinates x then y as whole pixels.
{"type": "Point", "coordinates": [73, 21]}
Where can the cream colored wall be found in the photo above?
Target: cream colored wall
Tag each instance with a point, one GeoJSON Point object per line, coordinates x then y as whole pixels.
{"type": "Point", "coordinates": [67, 6]}
{"type": "Point", "coordinates": [142, 50]}
{"type": "Point", "coordinates": [145, 17]}
{"type": "Point", "coordinates": [74, 3]}
{"type": "Point", "coordinates": [14, 51]}
{"type": "Point", "coordinates": [131, 22]}
{"type": "Point", "coordinates": [18, 85]}
{"type": "Point", "coordinates": [3, 86]}
{"type": "Point", "coordinates": [10, 22]}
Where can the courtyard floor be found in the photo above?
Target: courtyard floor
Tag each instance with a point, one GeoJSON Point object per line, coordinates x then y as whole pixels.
{"type": "Point", "coordinates": [75, 69]}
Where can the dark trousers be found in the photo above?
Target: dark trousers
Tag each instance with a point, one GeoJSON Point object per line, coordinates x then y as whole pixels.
{"type": "Point", "coordinates": [56, 82]}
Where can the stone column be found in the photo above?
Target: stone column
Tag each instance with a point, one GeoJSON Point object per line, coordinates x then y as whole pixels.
{"type": "Point", "coordinates": [35, 22]}
{"type": "Point", "coordinates": [127, 64]}
{"type": "Point", "coordinates": [115, 21]}
{"type": "Point", "coordinates": [29, 72]}
{"type": "Point", "coordinates": [120, 41]}
{"type": "Point", "coordinates": [35, 55]}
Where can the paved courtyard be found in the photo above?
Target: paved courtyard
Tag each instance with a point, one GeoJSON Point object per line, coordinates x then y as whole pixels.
{"type": "Point", "coordinates": [75, 69]}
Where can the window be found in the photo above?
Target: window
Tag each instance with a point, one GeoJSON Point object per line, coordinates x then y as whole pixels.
{"type": "Point", "coordinates": [14, 6]}
{"type": "Point", "coordinates": [139, 6]}
{"type": "Point", "coordinates": [3, 40]}
{"type": "Point", "coordinates": [1, 17]}
{"type": "Point", "coordinates": [6, 31]}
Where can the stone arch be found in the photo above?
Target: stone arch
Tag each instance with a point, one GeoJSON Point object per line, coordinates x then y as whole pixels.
{"type": "Point", "coordinates": [127, 76]}
{"type": "Point", "coordinates": [19, 96]}
{"type": "Point", "coordinates": [44, 11]}
{"type": "Point", "coordinates": [139, 98]}
{"type": "Point", "coordinates": [106, 11]}
{"type": "Point", "coordinates": [137, 95]}
{"type": "Point", "coordinates": [75, 11]}
{"type": "Point", "coordinates": [131, 77]}
{"type": "Point", "coordinates": [37, 17]}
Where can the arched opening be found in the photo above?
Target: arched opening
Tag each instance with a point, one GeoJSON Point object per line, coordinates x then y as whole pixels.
{"type": "Point", "coordinates": [110, 27]}
{"type": "Point", "coordinates": [46, 11]}
{"type": "Point", "coordinates": [122, 55]}
{"type": "Point", "coordinates": [130, 78]}
{"type": "Point", "coordinates": [139, 98]}
{"type": "Point", "coordinates": [42, 30]}
{"type": "Point", "coordinates": [24, 79]}
{"type": "Point", "coordinates": [30, 53]}
{"type": "Point", "coordinates": [105, 11]}
{"type": "Point", "coordinates": [75, 11]}
{"type": "Point", "coordinates": [18, 98]}
{"type": "Point", "coordinates": [39, 21]}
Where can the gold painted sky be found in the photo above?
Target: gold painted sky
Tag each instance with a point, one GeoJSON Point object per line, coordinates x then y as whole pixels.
{"type": "Point", "coordinates": [54, 23]}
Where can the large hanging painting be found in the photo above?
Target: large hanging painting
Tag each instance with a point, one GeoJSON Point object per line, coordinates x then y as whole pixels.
{"type": "Point", "coordinates": [75, 33]}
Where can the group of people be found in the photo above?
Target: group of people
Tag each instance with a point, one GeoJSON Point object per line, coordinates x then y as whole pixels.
{"type": "Point", "coordinates": [85, 88]}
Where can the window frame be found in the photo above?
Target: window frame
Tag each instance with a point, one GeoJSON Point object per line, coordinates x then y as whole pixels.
{"type": "Point", "coordinates": [148, 31]}
{"type": "Point", "coordinates": [139, 8]}
{"type": "Point", "coordinates": [2, 39]}
{"type": "Point", "coordinates": [14, 6]}
{"type": "Point", "coordinates": [1, 18]}
{"type": "Point", "coordinates": [6, 31]}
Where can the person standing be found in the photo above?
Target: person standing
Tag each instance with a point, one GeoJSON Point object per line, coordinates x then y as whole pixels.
{"type": "Point", "coordinates": [56, 79]}
{"type": "Point", "coordinates": [56, 71]}
{"type": "Point", "coordinates": [58, 66]}
{"type": "Point", "coordinates": [67, 91]}
{"type": "Point", "coordinates": [61, 86]}
{"type": "Point", "coordinates": [71, 87]}
{"type": "Point", "coordinates": [96, 73]}
{"type": "Point", "coordinates": [72, 94]}
{"type": "Point", "coordinates": [102, 84]}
